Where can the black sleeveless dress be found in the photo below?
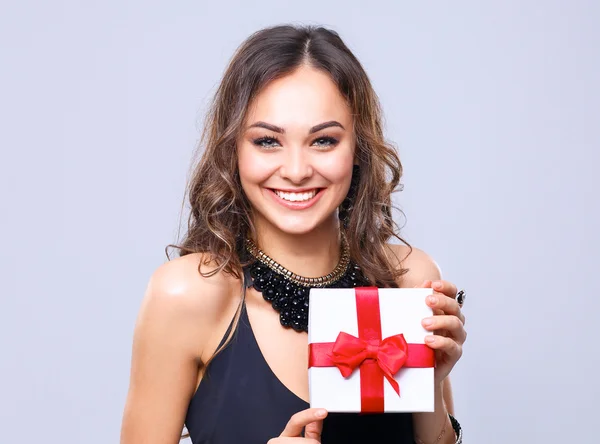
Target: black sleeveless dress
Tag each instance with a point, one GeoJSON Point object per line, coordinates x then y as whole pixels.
{"type": "Point", "coordinates": [241, 401]}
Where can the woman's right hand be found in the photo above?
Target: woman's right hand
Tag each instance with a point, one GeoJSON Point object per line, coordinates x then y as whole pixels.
{"type": "Point", "coordinates": [311, 420]}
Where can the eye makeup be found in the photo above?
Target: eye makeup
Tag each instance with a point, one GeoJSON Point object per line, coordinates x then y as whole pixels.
{"type": "Point", "coordinates": [269, 142]}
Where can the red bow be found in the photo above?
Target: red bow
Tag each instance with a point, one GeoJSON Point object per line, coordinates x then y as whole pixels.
{"type": "Point", "coordinates": [349, 352]}
{"type": "Point", "coordinates": [376, 358]}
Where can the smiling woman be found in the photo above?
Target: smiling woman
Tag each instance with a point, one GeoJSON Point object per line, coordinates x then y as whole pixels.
{"type": "Point", "coordinates": [301, 158]}
{"type": "Point", "coordinates": [293, 144]}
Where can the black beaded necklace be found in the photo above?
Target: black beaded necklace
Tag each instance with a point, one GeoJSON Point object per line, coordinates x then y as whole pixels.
{"type": "Point", "coordinates": [288, 292]}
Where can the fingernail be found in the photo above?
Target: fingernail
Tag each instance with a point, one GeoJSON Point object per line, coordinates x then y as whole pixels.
{"type": "Point", "coordinates": [321, 413]}
{"type": "Point", "coordinates": [432, 300]}
{"type": "Point", "coordinates": [437, 285]}
{"type": "Point", "coordinates": [430, 339]}
{"type": "Point", "coordinates": [427, 322]}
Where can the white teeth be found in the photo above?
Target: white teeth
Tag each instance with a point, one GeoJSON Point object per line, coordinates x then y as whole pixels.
{"type": "Point", "coordinates": [296, 197]}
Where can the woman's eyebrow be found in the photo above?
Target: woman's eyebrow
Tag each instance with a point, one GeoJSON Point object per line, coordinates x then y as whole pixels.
{"type": "Point", "coordinates": [268, 126]}
{"type": "Point", "coordinates": [324, 125]}
{"type": "Point", "coordinates": [314, 129]}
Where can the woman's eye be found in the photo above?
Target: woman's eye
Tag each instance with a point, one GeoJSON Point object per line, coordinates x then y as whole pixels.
{"type": "Point", "coordinates": [325, 142]}
{"type": "Point", "coordinates": [266, 142]}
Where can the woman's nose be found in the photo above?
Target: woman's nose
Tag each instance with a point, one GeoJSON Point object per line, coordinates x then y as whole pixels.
{"type": "Point", "coordinates": [296, 166]}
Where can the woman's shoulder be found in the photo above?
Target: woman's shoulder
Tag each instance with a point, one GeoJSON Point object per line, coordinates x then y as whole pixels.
{"type": "Point", "coordinates": [419, 265]}
{"type": "Point", "coordinates": [179, 297]}
{"type": "Point", "coordinates": [179, 283]}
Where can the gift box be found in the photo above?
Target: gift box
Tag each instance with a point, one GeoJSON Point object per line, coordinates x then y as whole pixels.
{"type": "Point", "coordinates": [367, 352]}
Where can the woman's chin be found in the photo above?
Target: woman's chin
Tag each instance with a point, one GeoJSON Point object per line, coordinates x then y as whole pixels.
{"type": "Point", "coordinates": [296, 230]}
{"type": "Point", "coordinates": [297, 226]}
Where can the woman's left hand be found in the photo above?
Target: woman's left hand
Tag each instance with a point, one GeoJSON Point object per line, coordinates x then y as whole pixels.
{"type": "Point", "coordinates": [448, 326]}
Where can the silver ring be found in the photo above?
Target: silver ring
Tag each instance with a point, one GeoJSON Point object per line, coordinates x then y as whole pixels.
{"type": "Point", "coordinates": [460, 297]}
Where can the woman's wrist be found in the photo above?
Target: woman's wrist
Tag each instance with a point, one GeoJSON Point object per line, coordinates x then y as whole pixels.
{"type": "Point", "coordinates": [434, 427]}
{"type": "Point", "coordinates": [442, 436]}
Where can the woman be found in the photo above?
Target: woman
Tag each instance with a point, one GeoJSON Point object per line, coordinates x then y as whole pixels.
{"type": "Point", "coordinates": [295, 167]}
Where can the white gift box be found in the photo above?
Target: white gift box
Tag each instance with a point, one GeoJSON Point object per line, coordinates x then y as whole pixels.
{"type": "Point", "coordinates": [401, 311]}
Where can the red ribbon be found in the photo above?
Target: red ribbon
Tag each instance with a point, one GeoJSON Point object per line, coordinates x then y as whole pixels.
{"type": "Point", "coordinates": [376, 358]}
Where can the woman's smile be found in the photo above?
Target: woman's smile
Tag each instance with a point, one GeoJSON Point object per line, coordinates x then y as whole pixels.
{"type": "Point", "coordinates": [300, 199]}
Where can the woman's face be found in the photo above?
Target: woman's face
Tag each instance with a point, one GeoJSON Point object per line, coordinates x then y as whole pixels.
{"type": "Point", "coordinates": [296, 152]}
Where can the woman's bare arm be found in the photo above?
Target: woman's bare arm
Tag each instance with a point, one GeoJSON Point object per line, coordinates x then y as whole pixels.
{"type": "Point", "coordinates": [174, 326]}
{"type": "Point", "coordinates": [421, 267]}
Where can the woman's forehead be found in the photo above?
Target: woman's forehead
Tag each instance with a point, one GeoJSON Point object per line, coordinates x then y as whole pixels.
{"type": "Point", "coordinates": [301, 99]}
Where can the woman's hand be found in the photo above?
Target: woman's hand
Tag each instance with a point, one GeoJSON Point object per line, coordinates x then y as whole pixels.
{"type": "Point", "coordinates": [448, 325]}
{"type": "Point", "coordinates": [311, 420]}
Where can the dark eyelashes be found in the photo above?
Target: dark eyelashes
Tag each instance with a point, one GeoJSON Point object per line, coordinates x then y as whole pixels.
{"type": "Point", "coordinates": [331, 141]}
{"type": "Point", "coordinates": [271, 141]}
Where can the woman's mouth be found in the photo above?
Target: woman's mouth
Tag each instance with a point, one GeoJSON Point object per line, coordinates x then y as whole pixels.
{"type": "Point", "coordinates": [298, 200]}
{"type": "Point", "coordinates": [295, 196]}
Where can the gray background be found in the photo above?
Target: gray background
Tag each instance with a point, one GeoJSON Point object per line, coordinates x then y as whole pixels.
{"type": "Point", "coordinates": [494, 106]}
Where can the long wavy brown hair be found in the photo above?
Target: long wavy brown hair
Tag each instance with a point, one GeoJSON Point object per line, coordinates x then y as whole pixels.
{"type": "Point", "coordinates": [220, 215]}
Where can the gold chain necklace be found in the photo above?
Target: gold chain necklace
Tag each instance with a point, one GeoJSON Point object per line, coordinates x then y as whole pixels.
{"type": "Point", "coordinates": [322, 281]}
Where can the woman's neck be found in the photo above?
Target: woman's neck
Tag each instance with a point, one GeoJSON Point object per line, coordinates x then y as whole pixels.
{"type": "Point", "coordinates": [311, 254]}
